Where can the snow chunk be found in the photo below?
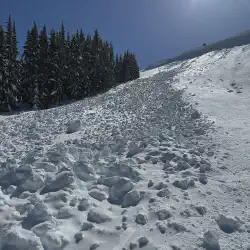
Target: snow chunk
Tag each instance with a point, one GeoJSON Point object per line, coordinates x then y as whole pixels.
{"type": "Point", "coordinates": [119, 189]}
{"type": "Point", "coordinates": [87, 226]}
{"type": "Point", "coordinates": [38, 214]}
{"type": "Point", "coordinates": [96, 216]}
{"type": "Point", "coordinates": [132, 198]}
{"type": "Point", "coordinates": [83, 171]}
{"type": "Point", "coordinates": [83, 205]}
{"type": "Point", "coordinates": [163, 214]}
{"type": "Point", "coordinates": [33, 183]}
{"type": "Point", "coordinates": [73, 126]}
{"type": "Point", "coordinates": [141, 218]}
{"type": "Point", "coordinates": [133, 149]}
{"type": "Point", "coordinates": [109, 181]}
{"type": "Point", "coordinates": [164, 193]}
{"type": "Point", "coordinates": [98, 195]}
{"type": "Point", "coordinates": [210, 241]}
{"type": "Point", "coordinates": [183, 184]}
{"type": "Point", "coordinates": [143, 241]}
{"type": "Point", "coordinates": [24, 239]}
{"type": "Point", "coordinates": [62, 180]}
{"type": "Point", "coordinates": [228, 224]}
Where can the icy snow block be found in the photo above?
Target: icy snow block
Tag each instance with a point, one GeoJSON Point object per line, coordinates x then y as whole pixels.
{"type": "Point", "coordinates": [62, 180]}
{"type": "Point", "coordinates": [119, 189]}
{"type": "Point", "coordinates": [96, 216]}
{"type": "Point", "coordinates": [132, 198]}
{"type": "Point", "coordinates": [73, 126]}
{"type": "Point", "coordinates": [210, 241]}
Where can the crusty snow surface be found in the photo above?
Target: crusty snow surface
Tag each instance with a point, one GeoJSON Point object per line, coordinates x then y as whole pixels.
{"type": "Point", "coordinates": [158, 163]}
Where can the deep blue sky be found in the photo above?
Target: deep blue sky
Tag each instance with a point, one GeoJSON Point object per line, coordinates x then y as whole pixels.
{"type": "Point", "coordinates": [153, 29]}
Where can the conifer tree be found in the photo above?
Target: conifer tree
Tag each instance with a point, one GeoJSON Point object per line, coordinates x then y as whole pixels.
{"type": "Point", "coordinates": [30, 79]}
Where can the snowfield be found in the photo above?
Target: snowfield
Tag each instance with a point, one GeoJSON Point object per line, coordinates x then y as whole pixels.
{"type": "Point", "coordinates": [158, 163]}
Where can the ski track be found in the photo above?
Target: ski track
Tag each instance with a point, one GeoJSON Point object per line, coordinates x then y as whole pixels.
{"type": "Point", "coordinates": [146, 118]}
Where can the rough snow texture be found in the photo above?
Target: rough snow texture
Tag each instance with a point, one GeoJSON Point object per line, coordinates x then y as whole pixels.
{"type": "Point", "coordinates": [138, 166]}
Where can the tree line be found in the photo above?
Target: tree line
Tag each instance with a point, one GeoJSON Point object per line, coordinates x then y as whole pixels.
{"type": "Point", "coordinates": [55, 67]}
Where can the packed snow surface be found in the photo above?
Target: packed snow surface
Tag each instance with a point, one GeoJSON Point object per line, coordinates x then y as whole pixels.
{"type": "Point", "coordinates": [158, 163]}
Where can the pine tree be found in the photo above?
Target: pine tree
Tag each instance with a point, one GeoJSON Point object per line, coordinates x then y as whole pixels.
{"type": "Point", "coordinates": [10, 77]}
{"type": "Point", "coordinates": [14, 41]}
{"type": "Point", "coordinates": [43, 65]}
{"type": "Point", "coordinates": [30, 85]}
{"type": "Point", "coordinates": [2, 67]}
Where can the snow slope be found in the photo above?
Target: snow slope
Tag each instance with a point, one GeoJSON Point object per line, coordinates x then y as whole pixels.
{"type": "Point", "coordinates": [137, 167]}
{"type": "Point", "coordinates": [237, 40]}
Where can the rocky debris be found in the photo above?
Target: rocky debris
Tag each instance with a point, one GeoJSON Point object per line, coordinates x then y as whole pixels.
{"type": "Point", "coordinates": [73, 126]}
{"type": "Point", "coordinates": [133, 149]}
{"type": "Point", "coordinates": [164, 193]}
{"type": "Point", "coordinates": [183, 184]}
{"type": "Point", "coordinates": [160, 186]}
{"type": "Point", "coordinates": [86, 226]}
{"type": "Point", "coordinates": [96, 216]}
{"type": "Point", "coordinates": [109, 181]}
{"type": "Point", "coordinates": [62, 180]}
{"type": "Point", "coordinates": [94, 246]}
{"type": "Point", "coordinates": [143, 241]}
{"type": "Point", "coordinates": [124, 168]}
{"type": "Point", "coordinates": [182, 165]}
{"type": "Point", "coordinates": [132, 245]}
{"type": "Point", "coordinates": [132, 198]}
{"type": "Point", "coordinates": [210, 241]}
{"type": "Point", "coordinates": [141, 218]}
{"type": "Point", "coordinates": [83, 205]}
{"type": "Point", "coordinates": [201, 209]}
{"type": "Point", "coordinates": [98, 195]}
{"type": "Point", "coordinates": [228, 224]}
{"type": "Point", "coordinates": [78, 237]}
{"type": "Point", "coordinates": [150, 183]}
{"type": "Point", "coordinates": [119, 189]}
{"type": "Point", "coordinates": [163, 214]}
